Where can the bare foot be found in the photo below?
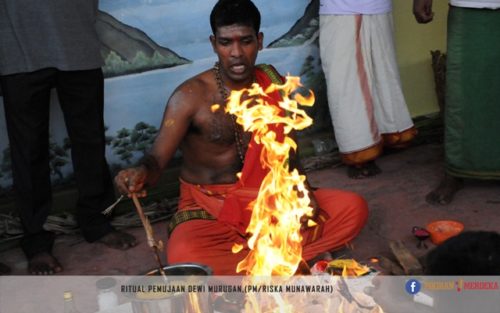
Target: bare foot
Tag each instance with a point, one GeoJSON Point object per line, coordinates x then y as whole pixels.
{"type": "Point", "coordinates": [118, 240]}
{"type": "Point", "coordinates": [43, 263]}
{"type": "Point", "coordinates": [364, 170]}
{"type": "Point", "coordinates": [4, 269]}
{"type": "Point", "coordinates": [446, 190]}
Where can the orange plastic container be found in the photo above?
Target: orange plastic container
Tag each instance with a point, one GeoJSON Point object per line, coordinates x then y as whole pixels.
{"type": "Point", "coordinates": [442, 230]}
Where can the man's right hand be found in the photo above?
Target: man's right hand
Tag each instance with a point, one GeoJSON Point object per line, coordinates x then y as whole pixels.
{"type": "Point", "coordinates": [422, 9]}
{"type": "Point", "coordinates": [131, 181]}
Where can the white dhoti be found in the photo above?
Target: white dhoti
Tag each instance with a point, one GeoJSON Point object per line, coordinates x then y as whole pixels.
{"type": "Point", "coordinates": [365, 97]}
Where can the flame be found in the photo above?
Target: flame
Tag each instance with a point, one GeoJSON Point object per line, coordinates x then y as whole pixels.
{"type": "Point", "coordinates": [374, 260]}
{"type": "Point", "coordinates": [237, 248]}
{"type": "Point", "coordinates": [215, 107]}
{"type": "Point", "coordinates": [349, 267]}
{"type": "Point", "coordinates": [275, 242]}
{"type": "Point", "coordinates": [344, 271]}
{"type": "Point", "coordinates": [193, 304]}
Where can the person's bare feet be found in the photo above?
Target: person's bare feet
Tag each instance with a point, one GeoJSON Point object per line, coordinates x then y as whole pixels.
{"type": "Point", "coordinates": [364, 170]}
{"type": "Point", "coordinates": [4, 269]}
{"type": "Point", "coordinates": [446, 190]}
{"type": "Point", "coordinates": [118, 240]}
{"type": "Point", "coordinates": [43, 263]}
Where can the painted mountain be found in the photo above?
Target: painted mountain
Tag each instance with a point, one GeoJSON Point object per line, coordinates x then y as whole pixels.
{"type": "Point", "coordinates": [304, 30]}
{"type": "Point", "coordinates": [128, 50]}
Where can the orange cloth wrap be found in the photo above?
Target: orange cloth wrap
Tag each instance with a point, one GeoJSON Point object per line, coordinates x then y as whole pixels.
{"type": "Point", "coordinates": [209, 242]}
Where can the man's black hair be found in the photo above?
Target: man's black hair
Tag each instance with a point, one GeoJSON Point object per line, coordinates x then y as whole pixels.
{"type": "Point", "coordinates": [470, 253]}
{"type": "Point", "coordinates": [230, 12]}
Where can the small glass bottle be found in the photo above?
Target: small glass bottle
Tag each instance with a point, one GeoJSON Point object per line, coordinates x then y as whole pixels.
{"type": "Point", "coordinates": [106, 298]}
{"type": "Point", "coordinates": [69, 304]}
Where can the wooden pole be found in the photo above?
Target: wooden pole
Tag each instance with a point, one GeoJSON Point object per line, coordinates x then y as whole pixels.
{"type": "Point", "coordinates": [155, 246]}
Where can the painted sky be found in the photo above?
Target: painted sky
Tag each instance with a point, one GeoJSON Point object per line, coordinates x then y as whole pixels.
{"type": "Point", "coordinates": [183, 25]}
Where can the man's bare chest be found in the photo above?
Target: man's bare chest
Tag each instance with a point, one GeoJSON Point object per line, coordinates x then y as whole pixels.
{"type": "Point", "coordinates": [214, 127]}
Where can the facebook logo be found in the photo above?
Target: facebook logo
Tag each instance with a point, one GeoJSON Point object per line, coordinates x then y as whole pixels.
{"type": "Point", "coordinates": [413, 286]}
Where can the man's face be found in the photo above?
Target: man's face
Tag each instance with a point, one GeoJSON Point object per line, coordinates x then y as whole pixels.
{"type": "Point", "coordinates": [237, 47]}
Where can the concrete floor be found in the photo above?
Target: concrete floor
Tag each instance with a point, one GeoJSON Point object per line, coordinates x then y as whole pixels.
{"type": "Point", "coordinates": [396, 201]}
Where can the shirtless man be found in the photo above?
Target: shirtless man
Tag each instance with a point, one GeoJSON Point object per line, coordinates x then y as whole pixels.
{"type": "Point", "coordinates": [206, 139]}
{"type": "Point", "coordinates": [214, 150]}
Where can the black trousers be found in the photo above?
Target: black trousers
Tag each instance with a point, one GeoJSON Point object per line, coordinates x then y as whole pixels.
{"type": "Point", "coordinates": [27, 104]}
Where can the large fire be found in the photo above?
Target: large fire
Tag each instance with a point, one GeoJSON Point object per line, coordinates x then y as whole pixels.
{"type": "Point", "coordinates": [283, 199]}
{"type": "Point", "coordinates": [275, 242]}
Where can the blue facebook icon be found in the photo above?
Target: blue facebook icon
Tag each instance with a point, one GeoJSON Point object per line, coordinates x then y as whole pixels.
{"type": "Point", "coordinates": [413, 286]}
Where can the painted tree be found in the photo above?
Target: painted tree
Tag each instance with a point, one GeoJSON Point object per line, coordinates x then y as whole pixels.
{"type": "Point", "coordinates": [121, 145]}
{"type": "Point", "coordinates": [58, 157]}
{"type": "Point", "coordinates": [313, 77]}
{"type": "Point", "coordinates": [142, 136]}
{"type": "Point", "coordinates": [115, 65]}
{"type": "Point", "coordinates": [128, 142]}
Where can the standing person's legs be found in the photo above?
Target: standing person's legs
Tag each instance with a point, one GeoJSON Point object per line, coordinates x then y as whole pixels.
{"type": "Point", "coordinates": [81, 94]}
{"type": "Point", "coordinates": [472, 100]}
{"type": "Point", "coordinates": [391, 113]}
{"type": "Point", "coordinates": [26, 101]}
{"type": "Point", "coordinates": [472, 148]}
{"type": "Point", "coordinates": [347, 66]}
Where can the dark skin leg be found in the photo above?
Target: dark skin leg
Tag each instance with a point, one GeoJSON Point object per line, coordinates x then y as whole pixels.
{"type": "Point", "coordinates": [364, 170]}
{"type": "Point", "coordinates": [446, 190]}
{"type": "Point", "coordinates": [44, 263]}
{"type": "Point", "coordinates": [118, 240]}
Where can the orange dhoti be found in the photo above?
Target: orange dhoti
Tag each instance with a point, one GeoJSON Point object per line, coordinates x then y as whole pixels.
{"type": "Point", "coordinates": [209, 241]}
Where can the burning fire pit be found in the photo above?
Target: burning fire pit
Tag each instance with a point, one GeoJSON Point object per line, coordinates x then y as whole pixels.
{"type": "Point", "coordinates": [283, 200]}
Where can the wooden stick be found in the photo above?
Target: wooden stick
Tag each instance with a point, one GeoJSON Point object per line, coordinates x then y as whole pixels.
{"type": "Point", "coordinates": [390, 266]}
{"type": "Point", "coordinates": [408, 261]}
{"type": "Point", "coordinates": [155, 246]}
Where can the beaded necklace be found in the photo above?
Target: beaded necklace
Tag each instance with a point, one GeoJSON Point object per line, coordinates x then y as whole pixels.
{"type": "Point", "coordinates": [238, 136]}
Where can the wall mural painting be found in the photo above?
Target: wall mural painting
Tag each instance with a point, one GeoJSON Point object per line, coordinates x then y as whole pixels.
{"type": "Point", "coordinates": [151, 46]}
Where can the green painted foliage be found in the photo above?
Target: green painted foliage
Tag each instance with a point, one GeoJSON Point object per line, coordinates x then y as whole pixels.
{"type": "Point", "coordinates": [130, 141]}
{"type": "Point", "coordinates": [114, 65]}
